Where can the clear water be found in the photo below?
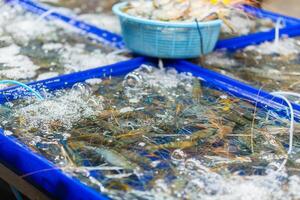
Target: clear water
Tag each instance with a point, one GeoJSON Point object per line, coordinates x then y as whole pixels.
{"type": "Point", "coordinates": [154, 133]}
{"type": "Point", "coordinates": [157, 134]}
{"type": "Point", "coordinates": [272, 66]}
{"type": "Point", "coordinates": [33, 49]}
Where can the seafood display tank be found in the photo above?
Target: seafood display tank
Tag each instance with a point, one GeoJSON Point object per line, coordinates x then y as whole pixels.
{"type": "Point", "coordinates": [110, 124]}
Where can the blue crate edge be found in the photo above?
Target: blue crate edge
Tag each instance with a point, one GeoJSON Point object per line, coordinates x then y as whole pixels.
{"type": "Point", "coordinates": [60, 186]}
{"type": "Point", "coordinates": [96, 33]}
{"type": "Point", "coordinates": [44, 175]}
{"type": "Point", "coordinates": [117, 41]}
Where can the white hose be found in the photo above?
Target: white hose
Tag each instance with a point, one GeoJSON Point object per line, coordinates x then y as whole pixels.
{"type": "Point", "coordinates": [289, 93]}
{"type": "Point", "coordinates": [291, 130]}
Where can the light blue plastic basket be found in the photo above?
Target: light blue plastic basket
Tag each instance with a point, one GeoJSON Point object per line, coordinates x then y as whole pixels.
{"type": "Point", "coordinates": [167, 39]}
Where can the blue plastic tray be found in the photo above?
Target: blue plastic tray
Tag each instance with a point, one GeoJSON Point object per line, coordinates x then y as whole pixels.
{"type": "Point", "coordinates": [291, 29]}
{"type": "Point", "coordinates": [115, 40]}
{"type": "Point", "coordinates": [58, 185]}
{"type": "Point", "coordinates": [42, 174]}
{"type": "Point", "coordinates": [95, 33]}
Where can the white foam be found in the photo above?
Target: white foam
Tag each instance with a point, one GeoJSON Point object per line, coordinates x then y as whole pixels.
{"type": "Point", "coordinates": [219, 58]}
{"type": "Point", "coordinates": [16, 66]}
{"type": "Point", "coordinates": [161, 79]}
{"type": "Point", "coordinates": [18, 28]}
{"type": "Point", "coordinates": [75, 58]}
{"type": "Point", "coordinates": [285, 47]}
{"type": "Point", "coordinates": [63, 110]}
{"type": "Point", "coordinates": [195, 181]}
{"type": "Point", "coordinates": [47, 75]}
{"type": "Point", "coordinates": [25, 28]}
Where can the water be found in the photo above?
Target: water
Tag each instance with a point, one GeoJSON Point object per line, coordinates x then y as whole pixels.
{"type": "Point", "coordinates": [154, 133]}
{"type": "Point", "coordinates": [272, 66]}
{"type": "Point", "coordinates": [157, 134]}
{"type": "Point", "coordinates": [33, 49]}
{"type": "Point", "coordinates": [94, 12]}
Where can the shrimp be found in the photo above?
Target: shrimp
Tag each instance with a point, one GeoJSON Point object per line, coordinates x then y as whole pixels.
{"type": "Point", "coordinates": [133, 133]}
{"type": "Point", "coordinates": [185, 144]}
{"type": "Point", "coordinates": [114, 158]}
{"type": "Point", "coordinates": [167, 10]}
